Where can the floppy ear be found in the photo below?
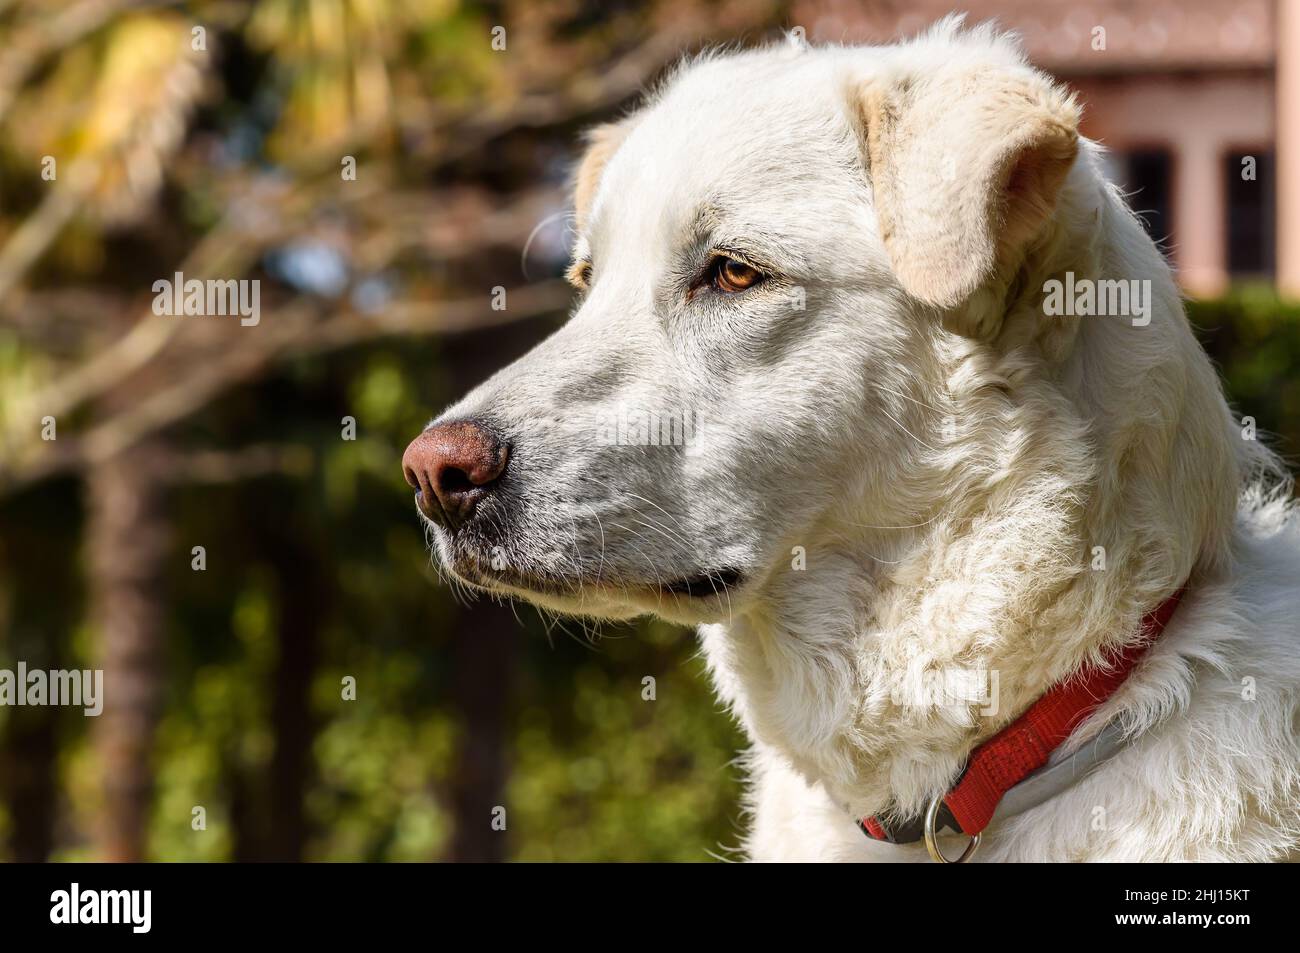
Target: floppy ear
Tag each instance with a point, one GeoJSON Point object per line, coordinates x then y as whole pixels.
{"type": "Point", "coordinates": [602, 142]}
{"type": "Point", "coordinates": [965, 171]}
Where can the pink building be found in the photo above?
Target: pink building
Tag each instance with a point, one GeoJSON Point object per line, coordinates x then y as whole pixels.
{"type": "Point", "coordinates": [1197, 100]}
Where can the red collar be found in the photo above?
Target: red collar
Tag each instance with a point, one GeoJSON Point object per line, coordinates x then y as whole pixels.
{"type": "Point", "coordinates": [1024, 746]}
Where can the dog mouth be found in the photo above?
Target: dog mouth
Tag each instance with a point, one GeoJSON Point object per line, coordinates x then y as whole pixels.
{"type": "Point", "coordinates": [468, 556]}
{"type": "Point", "coordinates": [717, 582]}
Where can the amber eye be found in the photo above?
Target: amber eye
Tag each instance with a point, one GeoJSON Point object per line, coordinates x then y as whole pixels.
{"type": "Point", "coordinates": [732, 276]}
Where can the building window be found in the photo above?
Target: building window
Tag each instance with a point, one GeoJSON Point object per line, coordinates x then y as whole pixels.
{"type": "Point", "coordinates": [1250, 209]}
{"type": "Point", "coordinates": [1147, 176]}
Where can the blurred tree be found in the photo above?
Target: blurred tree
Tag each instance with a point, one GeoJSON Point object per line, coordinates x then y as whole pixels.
{"type": "Point", "coordinates": [127, 538]}
{"type": "Point", "coordinates": [215, 139]}
{"type": "Point", "coordinates": [40, 607]}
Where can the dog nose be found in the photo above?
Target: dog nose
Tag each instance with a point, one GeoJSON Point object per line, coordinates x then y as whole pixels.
{"type": "Point", "coordinates": [454, 466]}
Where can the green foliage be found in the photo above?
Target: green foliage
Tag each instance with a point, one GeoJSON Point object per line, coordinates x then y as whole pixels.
{"type": "Point", "coordinates": [602, 772]}
{"type": "Point", "coordinates": [1255, 339]}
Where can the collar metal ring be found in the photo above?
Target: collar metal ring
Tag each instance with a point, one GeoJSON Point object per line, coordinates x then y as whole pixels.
{"type": "Point", "coordinates": [932, 842]}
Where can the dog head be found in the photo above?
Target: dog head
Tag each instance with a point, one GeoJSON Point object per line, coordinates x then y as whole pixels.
{"type": "Point", "coordinates": [810, 334]}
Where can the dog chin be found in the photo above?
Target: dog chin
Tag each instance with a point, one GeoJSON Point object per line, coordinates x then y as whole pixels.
{"type": "Point", "coordinates": [691, 601]}
{"type": "Point", "coordinates": [588, 601]}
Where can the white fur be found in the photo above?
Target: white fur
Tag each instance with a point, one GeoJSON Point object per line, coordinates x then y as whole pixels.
{"type": "Point", "coordinates": [945, 454]}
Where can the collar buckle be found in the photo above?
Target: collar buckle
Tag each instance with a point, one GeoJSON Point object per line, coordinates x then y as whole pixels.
{"type": "Point", "coordinates": [932, 842]}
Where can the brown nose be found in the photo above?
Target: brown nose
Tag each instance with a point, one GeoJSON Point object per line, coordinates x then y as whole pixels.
{"type": "Point", "coordinates": [453, 467]}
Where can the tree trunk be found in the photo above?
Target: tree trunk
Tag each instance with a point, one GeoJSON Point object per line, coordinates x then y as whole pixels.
{"type": "Point", "coordinates": [485, 656]}
{"type": "Point", "coordinates": [39, 607]}
{"type": "Point", "coordinates": [127, 537]}
{"type": "Point", "coordinates": [28, 763]}
{"type": "Point", "coordinates": [302, 593]}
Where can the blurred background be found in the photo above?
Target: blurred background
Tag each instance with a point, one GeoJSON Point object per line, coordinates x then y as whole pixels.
{"type": "Point", "coordinates": [382, 167]}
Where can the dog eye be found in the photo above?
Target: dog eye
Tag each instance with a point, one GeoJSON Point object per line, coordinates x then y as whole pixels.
{"type": "Point", "coordinates": [730, 276]}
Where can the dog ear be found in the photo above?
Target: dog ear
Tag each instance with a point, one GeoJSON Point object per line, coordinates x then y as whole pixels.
{"type": "Point", "coordinates": [965, 168]}
{"type": "Point", "coordinates": [602, 142]}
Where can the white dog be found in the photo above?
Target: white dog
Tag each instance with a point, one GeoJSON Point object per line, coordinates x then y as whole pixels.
{"type": "Point", "coordinates": [814, 400]}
